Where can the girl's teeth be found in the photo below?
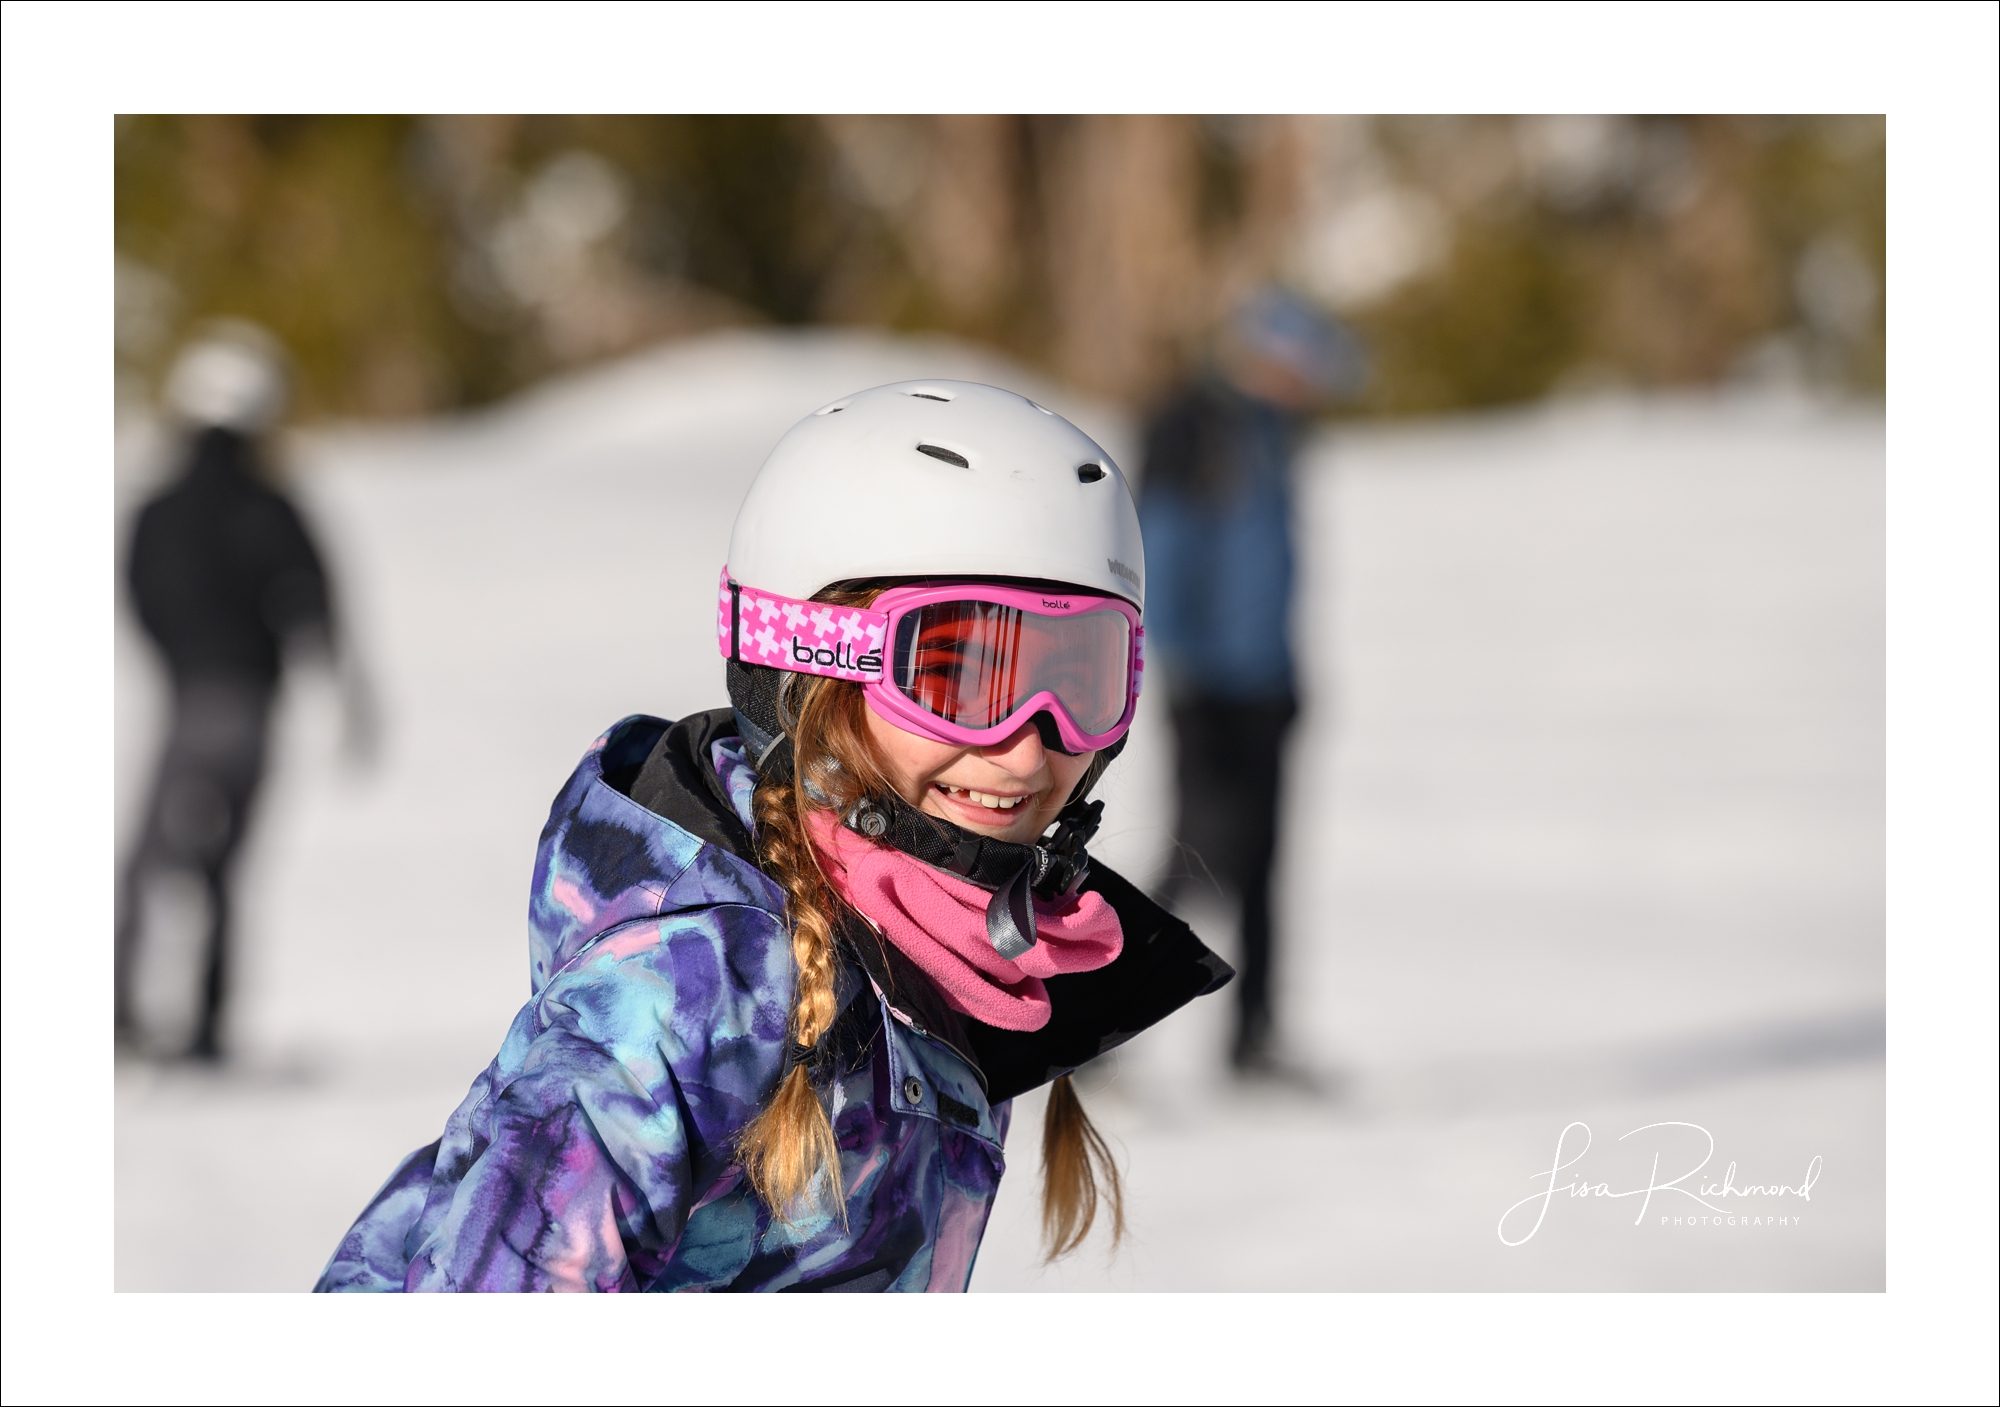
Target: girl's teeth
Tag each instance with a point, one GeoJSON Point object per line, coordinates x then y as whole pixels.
{"type": "Point", "coordinates": [986, 799]}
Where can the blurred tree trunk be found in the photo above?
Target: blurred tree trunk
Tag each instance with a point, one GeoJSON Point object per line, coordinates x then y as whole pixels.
{"type": "Point", "coordinates": [1118, 224]}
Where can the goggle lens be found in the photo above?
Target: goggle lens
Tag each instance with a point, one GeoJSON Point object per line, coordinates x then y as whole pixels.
{"type": "Point", "coordinates": [972, 662]}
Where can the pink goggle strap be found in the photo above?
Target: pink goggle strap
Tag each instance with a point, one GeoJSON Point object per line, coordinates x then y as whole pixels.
{"type": "Point", "coordinates": [806, 637]}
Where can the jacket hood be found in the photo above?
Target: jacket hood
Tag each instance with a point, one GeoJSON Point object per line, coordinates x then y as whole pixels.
{"type": "Point", "coordinates": [605, 860]}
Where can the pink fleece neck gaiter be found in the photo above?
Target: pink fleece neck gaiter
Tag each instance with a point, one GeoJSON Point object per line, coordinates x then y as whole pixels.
{"type": "Point", "coordinates": [938, 920]}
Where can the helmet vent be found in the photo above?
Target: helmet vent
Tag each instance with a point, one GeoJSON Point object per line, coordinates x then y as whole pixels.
{"type": "Point", "coordinates": [1089, 473]}
{"type": "Point", "coordinates": [939, 452]}
{"type": "Point", "coordinates": [929, 396]}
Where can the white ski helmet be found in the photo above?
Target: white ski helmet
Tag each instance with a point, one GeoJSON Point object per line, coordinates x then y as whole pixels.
{"type": "Point", "coordinates": [233, 377]}
{"type": "Point", "coordinates": [937, 478]}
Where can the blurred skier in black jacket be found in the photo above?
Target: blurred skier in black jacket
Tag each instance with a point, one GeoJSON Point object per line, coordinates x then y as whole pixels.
{"type": "Point", "coordinates": [226, 580]}
{"type": "Point", "coordinates": [1216, 504]}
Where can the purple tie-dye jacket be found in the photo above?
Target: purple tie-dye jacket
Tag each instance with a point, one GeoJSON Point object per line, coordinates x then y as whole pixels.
{"type": "Point", "coordinates": [594, 1153]}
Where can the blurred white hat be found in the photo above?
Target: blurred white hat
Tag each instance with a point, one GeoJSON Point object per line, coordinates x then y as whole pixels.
{"type": "Point", "coordinates": [234, 375]}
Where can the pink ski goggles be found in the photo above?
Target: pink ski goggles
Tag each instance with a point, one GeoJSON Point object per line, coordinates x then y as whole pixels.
{"type": "Point", "coordinates": [966, 664]}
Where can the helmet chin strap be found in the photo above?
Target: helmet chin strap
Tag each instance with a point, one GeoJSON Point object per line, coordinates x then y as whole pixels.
{"type": "Point", "coordinates": [1052, 868]}
{"type": "Point", "coordinates": [756, 698]}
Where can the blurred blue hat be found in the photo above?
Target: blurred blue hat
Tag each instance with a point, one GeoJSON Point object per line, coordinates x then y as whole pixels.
{"type": "Point", "coordinates": [1277, 324]}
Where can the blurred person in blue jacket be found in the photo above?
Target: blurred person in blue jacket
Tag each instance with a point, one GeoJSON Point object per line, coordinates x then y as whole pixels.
{"type": "Point", "coordinates": [1216, 508]}
{"type": "Point", "coordinates": [226, 581]}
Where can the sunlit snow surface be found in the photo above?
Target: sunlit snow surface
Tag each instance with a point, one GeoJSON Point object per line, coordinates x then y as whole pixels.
{"type": "Point", "coordinates": [1584, 824]}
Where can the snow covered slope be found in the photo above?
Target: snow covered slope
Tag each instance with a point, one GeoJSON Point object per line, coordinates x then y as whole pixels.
{"type": "Point", "coordinates": [1584, 824]}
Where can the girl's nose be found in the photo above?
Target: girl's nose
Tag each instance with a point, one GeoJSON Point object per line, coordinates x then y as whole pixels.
{"type": "Point", "coordinates": [1022, 754]}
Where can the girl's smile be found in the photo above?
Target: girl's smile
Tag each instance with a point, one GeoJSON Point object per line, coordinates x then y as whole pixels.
{"type": "Point", "coordinates": [990, 800]}
{"type": "Point", "coordinates": [1011, 791]}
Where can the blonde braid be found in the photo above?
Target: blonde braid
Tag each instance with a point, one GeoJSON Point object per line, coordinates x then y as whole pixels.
{"type": "Point", "coordinates": [790, 1147]}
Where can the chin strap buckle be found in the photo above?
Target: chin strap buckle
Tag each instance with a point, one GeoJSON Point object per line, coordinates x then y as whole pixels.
{"type": "Point", "coordinates": [1061, 862]}
{"type": "Point", "coordinates": [1056, 867]}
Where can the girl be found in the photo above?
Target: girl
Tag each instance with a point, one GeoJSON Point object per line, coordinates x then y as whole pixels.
{"type": "Point", "coordinates": [793, 959]}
